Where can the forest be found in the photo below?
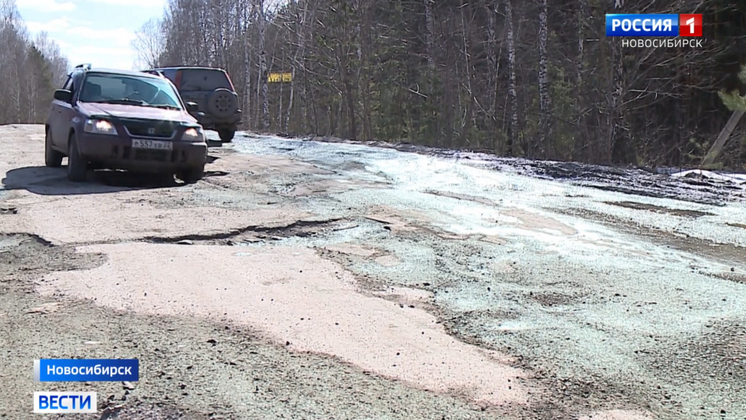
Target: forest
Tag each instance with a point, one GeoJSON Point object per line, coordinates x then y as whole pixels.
{"type": "Point", "coordinates": [534, 79]}
{"type": "Point", "coordinates": [30, 69]}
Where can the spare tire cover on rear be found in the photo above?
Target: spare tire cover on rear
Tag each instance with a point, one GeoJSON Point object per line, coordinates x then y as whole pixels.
{"type": "Point", "coordinates": [222, 103]}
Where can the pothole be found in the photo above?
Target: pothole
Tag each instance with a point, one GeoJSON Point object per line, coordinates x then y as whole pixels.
{"type": "Point", "coordinates": [659, 209]}
{"type": "Point", "coordinates": [734, 277]}
{"type": "Point", "coordinates": [22, 253]}
{"type": "Point", "coordinates": [8, 210]}
{"type": "Point", "coordinates": [254, 233]}
{"type": "Point", "coordinates": [551, 298]}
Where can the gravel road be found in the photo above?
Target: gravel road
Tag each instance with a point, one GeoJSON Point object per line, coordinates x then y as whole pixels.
{"type": "Point", "coordinates": [319, 279]}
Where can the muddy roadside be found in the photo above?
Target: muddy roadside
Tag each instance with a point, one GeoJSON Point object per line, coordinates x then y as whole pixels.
{"type": "Point", "coordinates": [646, 182]}
{"type": "Point", "coordinates": [610, 298]}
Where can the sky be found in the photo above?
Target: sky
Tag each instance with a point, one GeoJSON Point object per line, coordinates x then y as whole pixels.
{"type": "Point", "coordinates": [99, 32]}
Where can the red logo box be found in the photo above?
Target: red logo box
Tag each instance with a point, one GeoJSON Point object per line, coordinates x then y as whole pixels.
{"type": "Point", "coordinates": [690, 25]}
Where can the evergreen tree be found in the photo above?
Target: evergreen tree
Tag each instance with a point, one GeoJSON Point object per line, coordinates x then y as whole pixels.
{"type": "Point", "coordinates": [733, 100]}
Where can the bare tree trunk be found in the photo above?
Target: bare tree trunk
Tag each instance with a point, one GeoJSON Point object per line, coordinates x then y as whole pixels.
{"type": "Point", "coordinates": [450, 81]}
{"type": "Point", "coordinates": [432, 71]}
{"type": "Point", "coordinates": [350, 99]}
{"type": "Point", "coordinates": [429, 21]}
{"type": "Point", "coordinates": [581, 46]}
{"type": "Point", "coordinates": [545, 100]}
{"type": "Point", "coordinates": [18, 72]}
{"type": "Point", "coordinates": [247, 67]}
{"type": "Point", "coordinates": [467, 119]}
{"type": "Point", "coordinates": [286, 128]}
{"type": "Point", "coordinates": [615, 114]}
{"type": "Point", "coordinates": [580, 143]}
{"type": "Point", "coordinates": [314, 106]}
{"type": "Point", "coordinates": [722, 138]}
{"type": "Point", "coordinates": [205, 57]}
{"type": "Point", "coordinates": [307, 36]}
{"type": "Point", "coordinates": [217, 13]}
{"type": "Point", "coordinates": [280, 114]}
{"type": "Point", "coordinates": [365, 42]}
{"type": "Point", "coordinates": [299, 52]}
{"type": "Point", "coordinates": [512, 88]}
{"type": "Point", "coordinates": [494, 69]}
{"type": "Point", "coordinates": [263, 65]}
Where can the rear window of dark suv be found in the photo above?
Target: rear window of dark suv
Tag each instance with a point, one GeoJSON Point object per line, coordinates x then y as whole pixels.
{"type": "Point", "coordinates": [199, 79]}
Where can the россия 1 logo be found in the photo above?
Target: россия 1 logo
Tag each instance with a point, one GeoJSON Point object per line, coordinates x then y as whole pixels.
{"type": "Point", "coordinates": [661, 26]}
{"type": "Point", "coordinates": [690, 25]}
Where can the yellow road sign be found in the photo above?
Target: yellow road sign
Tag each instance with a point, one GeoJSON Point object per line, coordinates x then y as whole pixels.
{"type": "Point", "coordinates": [279, 77]}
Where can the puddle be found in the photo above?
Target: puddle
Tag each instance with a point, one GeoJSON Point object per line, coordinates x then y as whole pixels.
{"type": "Point", "coordinates": [9, 242]}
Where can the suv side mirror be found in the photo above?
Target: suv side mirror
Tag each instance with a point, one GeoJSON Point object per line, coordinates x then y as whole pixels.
{"type": "Point", "coordinates": [192, 107]}
{"type": "Point", "coordinates": [63, 95]}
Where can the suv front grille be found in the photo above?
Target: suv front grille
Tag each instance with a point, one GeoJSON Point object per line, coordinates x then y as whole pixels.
{"type": "Point", "coordinates": [152, 155]}
{"type": "Point", "coordinates": [145, 129]}
{"type": "Point", "coordinates": [147, 155]}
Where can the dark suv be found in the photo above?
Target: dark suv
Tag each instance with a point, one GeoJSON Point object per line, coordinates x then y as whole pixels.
{"type": "Point", "coordinates": [122, 119]}
{"type": "Point", "coordinates": [213, 92]}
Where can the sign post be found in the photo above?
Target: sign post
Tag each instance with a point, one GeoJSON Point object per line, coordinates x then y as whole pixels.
{"type": "Point", "coordinates": [280, 78]}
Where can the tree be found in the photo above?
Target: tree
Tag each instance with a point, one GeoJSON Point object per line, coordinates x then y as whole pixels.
{"type": "Point", "coordinates": [733, 100]}
{"type": "Point", "coordinates": [513, 128]}
{"type": "Point", "coordinates": [244, 21]}
{"type": "Point", "coordinates": [263, 70]}
{"type": "Point", "coordinates": [616, 118]}
{"type": "Point", "coordinates": [736, 103]}
{"type": "Point", "coordinates": [58, 64]}
{"type": "Point", "coordinates": [502, 75]}
{"type": "Point", "coordinates": [149, 44]}
{"type": "Point", "coordinates": [545, 100]}
{"type": "Point", "coordinates": [40, 85]}
{"type": "Point", "coordinates": [30, 69]}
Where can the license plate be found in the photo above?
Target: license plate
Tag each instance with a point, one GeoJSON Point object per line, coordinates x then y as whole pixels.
{"type": "Point", "coordinates": [152, 144]}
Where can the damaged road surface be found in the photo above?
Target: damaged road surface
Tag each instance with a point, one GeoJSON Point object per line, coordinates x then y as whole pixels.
{"type": "Point", "coordinates": [318, 280]}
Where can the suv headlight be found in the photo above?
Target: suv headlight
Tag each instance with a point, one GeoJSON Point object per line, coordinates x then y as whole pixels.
{"type": "Point", "coordinates": [99, 127]}
{"type": "Point", "coordinates": [193, 134]}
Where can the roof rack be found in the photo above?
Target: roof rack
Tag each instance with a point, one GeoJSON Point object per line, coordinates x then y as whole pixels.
{"type": "Point", "coordinates": [86, 66]}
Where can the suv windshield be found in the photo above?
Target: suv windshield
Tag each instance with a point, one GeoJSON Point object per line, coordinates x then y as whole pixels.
{"type": "Point", "coordinates": [203, 80]}
{"type": "Point", "coordinates": [129, 90]}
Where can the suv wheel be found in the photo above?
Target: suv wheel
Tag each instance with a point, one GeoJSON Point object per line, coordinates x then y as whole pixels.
{"type": "Point", "coordinates": [52, 158]}
{"type": "Point", "coordinates": [222, 103]}
{"type": "Point", "coordinates": [76, 165]}
{"type": "Point", "coordinates": [226, 136]}
{"type": "Point", "coordinates": [192, 175]}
